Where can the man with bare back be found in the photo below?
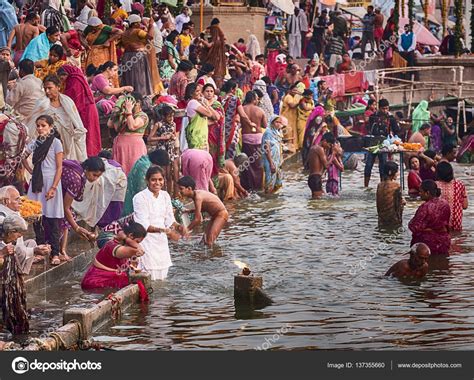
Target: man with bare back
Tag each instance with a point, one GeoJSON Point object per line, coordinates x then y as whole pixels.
{"type": "Point", "coordinates": [24, 33]}
{"type": "Point", "coordinates": [204, 201]}
{"type": "Point", "coordinates": [318, 163]}
{"type": "Point", "coordinates": [252, 176]}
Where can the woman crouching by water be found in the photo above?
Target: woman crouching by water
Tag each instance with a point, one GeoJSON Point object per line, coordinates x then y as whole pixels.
{"type": "Point", "coordinates": [430, 225]}
{"type": "Point", "coordinates": [109, 269]}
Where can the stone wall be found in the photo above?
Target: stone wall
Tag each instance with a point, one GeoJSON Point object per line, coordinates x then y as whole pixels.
{"type": "Point", "coordinates": [236, 22]}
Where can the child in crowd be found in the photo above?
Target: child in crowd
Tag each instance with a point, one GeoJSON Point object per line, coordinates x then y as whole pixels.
{"type": "Point", "coordinates": [163, 136]}
{"type": "Point", "coordinates": [204, 201]}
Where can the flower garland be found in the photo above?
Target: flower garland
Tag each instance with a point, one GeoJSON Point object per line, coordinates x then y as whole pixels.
{"type": "Point", "coordinates": [107, 7]}
{"type": "Point", "coordinates": [425, 6]}
{"type": "Point", "coordinates": [396, 16]}
{"type": "Point", "coordinates": [444, 15]}
{"type": "Point", "coordinates": [458, 28]}
{"type": "Point", "coordinates": [148, 7]}
{"type": "Point", "coordinates": [411, 8]}
{"type": "Point", "coordinates": [472, 28]}
{"type": "Point", "coordinates": [402, 5]}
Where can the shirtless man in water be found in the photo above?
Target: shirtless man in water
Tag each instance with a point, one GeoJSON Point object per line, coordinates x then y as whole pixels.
{"type": "Point", "coordinates": [318, 163]}
{"type": "Point", "coordinates": [416, 266]}
{"type": "Point", "coordinates": [204, 201]}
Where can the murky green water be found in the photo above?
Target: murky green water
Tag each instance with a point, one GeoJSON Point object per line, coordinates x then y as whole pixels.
{"type": "Point", "coordinates": [309, 254]}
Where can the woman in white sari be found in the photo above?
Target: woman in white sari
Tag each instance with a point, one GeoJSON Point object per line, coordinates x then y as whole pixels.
{"type": "Point", "coordinates": [153, 210]}
{"type": "Point", "coordinates": [66, 119]}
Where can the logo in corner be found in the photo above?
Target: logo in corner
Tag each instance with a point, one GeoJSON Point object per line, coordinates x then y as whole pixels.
{"type": "Point", "coordinates": [20, 365]}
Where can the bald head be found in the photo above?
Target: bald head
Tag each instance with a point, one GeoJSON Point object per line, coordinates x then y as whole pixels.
{"type": "Point", "coordinates": [10, 197]}
{"type": "Point", "coordinates": [420, 250]}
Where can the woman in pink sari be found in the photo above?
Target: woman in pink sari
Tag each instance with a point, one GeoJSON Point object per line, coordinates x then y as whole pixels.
{"type": "Point", "coordinates": [110, 266]}
{"type": "Point", "coordinates": [77, 88]}
{"type": "Point", "coordinates": [430, 225]}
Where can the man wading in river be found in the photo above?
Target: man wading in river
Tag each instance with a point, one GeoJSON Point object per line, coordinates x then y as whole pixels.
{"type": "Point", "coordinates": [416, 266]}
{"type": "Point", "coordinates": [318, 163]}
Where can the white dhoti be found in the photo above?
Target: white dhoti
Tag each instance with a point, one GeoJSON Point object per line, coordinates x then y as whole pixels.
{"type": "Point", "coordinates": [294, 45]}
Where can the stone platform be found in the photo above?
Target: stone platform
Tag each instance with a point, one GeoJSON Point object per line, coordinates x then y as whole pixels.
{"type": "Point", "coordinates": [236, 21]}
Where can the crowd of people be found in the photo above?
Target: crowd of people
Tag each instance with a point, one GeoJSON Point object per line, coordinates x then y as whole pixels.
{"type": "Point", "coordinates": [122, 122]}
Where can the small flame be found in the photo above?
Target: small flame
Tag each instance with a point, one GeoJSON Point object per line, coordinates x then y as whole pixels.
{"type": "Point", "coordinates": [240, 264]}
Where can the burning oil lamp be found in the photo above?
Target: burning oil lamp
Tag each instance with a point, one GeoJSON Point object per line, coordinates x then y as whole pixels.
{"type": "Point", "coordinates": [248, 288]}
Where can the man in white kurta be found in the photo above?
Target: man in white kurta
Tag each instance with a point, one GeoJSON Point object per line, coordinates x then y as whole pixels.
{"type": "Point", "coordinates": [157, 212]}
{"type": "Point", "coordinates": [294, 34]}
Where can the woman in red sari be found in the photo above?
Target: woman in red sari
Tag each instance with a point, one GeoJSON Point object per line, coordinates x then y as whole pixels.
{"type": "Point", "coordinates": [430, 225]}
{"type": "Point", "coordinates": [111, 264]}
{"type": "Point", "coordinates": [77, 88]}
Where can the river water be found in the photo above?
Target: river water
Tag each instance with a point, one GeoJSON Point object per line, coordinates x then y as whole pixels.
{"type": "Point", "coordinates": [322, 262]}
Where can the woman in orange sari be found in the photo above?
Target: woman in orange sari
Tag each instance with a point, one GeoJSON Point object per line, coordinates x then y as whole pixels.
{"type": "Point", "coordinates": [139, 68]}
{"type": "Point", "coordinates": [101, 41]}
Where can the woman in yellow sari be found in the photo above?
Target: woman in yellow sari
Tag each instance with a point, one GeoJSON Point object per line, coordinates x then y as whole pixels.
{"type": "Point", "coordinates": [51, 65]}
{"type": "Point", "coordinates": [101, 43]}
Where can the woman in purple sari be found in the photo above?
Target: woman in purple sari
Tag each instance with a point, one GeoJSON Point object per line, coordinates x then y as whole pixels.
{"type": "Point", "coordinates": [430, 225]}
{"type": "Point", "coordinates": [73, 180]}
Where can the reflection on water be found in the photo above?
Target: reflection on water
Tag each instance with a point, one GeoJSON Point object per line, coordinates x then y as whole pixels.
{"type": "Point", "coordinates": [305, 251]}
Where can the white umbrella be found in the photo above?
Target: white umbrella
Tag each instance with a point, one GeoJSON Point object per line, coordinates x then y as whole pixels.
{"type": "Point", "coordinates": [286, 6]}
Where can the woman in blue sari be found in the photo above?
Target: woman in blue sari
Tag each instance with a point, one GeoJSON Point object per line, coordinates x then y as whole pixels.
{"type": "Point", "coordinates": [39, 47]}
{"type": "Point", "coordinates": [273, 156]}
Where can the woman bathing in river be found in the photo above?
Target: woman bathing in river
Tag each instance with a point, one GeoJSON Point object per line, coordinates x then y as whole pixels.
{"type": "Point", "coordinates": [109, 269]}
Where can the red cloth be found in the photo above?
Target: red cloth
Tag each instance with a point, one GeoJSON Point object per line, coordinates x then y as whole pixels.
{"type": "Point", "coordinates": [433, 215]}
{"type": "Point", "coordinates": [414, 182]}
{"type": "Point", "coordinates": [355, 82]}
{"type": "Point", "coordinates": [79, 91]}
{"type": "Point", "coordinates": [142, 292]}
{"type": "Point", "coordinates": [454, 193]}
{"type": "Point", "coordinates": [271, 64]}
{"type": "Point", "coordinates": [336, 83]}
{"type": "Point", "coordinates": [96, 278]}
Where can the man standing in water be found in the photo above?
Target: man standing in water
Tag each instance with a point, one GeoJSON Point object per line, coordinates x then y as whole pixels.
{"type": "Point", "coordinates": [252, 177]}
{"type": "Point", "coordinates": [381, 124]}
{"type": "Point", "coordinates": [318, 163]}
{"type": "Point", "coordinates": [416, 266]}
{"type": "Point", "coordinates": [204, 201]}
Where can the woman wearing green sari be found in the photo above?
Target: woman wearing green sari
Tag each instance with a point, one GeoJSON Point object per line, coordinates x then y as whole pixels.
{"type": "Point", "coordinates": [198, 111]}
{"type": "Point", "coordinates": [420, 116]}
{"type": "Point", "coordinates": [169, 59]}
{"type": "Point", "coordinates": [101, 44]}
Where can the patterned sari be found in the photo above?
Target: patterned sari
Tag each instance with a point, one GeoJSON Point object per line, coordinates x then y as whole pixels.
{"type": "Point", "coordinates": [216, 139]}
{"type": "Point", "coordinates": [232, 129]}
{"type": "Point", "coordinates": [101, 48]}
{"type": "Point", "coordinates": [166, 71]}
{"type": "Point", "coordinates": [273, 140]}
